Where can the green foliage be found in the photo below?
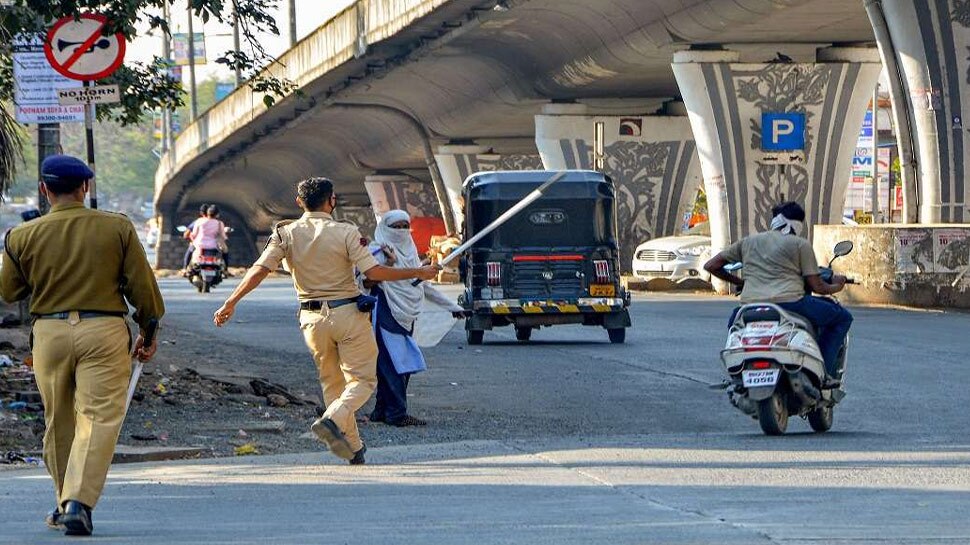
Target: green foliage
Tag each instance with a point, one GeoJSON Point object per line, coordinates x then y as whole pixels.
{"type": "Point", "coordinates": [11, 141]}
{"type": "Point", "coordinates": [123, 153]}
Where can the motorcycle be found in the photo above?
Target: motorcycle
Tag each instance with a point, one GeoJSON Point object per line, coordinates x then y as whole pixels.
{"type": "Point", "coordinates": [206, 269]}
{"type": "Point", "coordinates": [775, 367]}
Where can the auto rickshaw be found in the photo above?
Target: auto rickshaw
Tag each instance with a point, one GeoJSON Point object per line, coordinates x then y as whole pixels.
{"type": "Point", "coordinates": [556, 262]}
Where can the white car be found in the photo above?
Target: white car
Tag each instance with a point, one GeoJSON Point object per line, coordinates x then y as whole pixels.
{"type": "Point", "coordinates": [675, 258]}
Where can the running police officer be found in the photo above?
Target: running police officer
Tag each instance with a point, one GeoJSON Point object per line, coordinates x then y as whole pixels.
{"type": "Point", "coordinates": [79, 266]}
{"type": "Point", "coordinates": [321, 254]}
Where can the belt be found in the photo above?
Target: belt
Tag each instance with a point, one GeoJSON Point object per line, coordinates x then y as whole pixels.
{"type": "Point", "coordinates": [84, 315]}
{"type": "Point", "coordinates": [318, 304]}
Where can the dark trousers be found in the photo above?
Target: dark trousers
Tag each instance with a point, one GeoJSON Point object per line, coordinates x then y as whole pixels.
{"type": "Point", "coordinates": [187, 260]}
{"type": "Point", "coordinates": [392, 388]}
{"type": "Point", "coordinates": [831, 321]}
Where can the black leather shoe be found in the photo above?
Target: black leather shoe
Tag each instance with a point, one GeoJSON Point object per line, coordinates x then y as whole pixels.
{"type": "Point", "coordinates": [328, 432]}
{"type": "Point", "coordinates": [409, 421]}
{"type": "Point", "coordinates": [358, 459]}
{"type": "Point", "coordinates": [76, 518]}
{"type": "Point", "coordinates": [53, 519]}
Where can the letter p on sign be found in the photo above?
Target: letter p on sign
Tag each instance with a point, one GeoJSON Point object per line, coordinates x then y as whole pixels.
{"type": "Point", "coordinates": [783, 131]}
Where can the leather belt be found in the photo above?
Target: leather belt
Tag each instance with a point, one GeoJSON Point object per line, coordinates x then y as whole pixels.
{"type": "Point", "coordinates": [84, 315]}
{"type": "Point", "coordinates": [317, 305]}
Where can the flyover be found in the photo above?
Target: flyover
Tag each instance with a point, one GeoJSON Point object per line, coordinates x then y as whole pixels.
{"type": "Point", "coordinates": [399, 99]}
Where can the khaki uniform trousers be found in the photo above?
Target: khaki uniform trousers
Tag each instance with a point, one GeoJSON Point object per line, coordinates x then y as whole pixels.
{"type": "Point", "coordinates": [82, 368]}
{"type": "Point", "coordinates": [343, 346]}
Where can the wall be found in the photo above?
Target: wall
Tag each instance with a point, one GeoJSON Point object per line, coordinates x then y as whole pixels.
{"type": "Point", "coordinates": [917, 266]}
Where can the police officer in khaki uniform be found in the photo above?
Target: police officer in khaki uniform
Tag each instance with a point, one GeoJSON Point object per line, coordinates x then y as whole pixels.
{"type": "Point", "coordinates": [321, 254]}
{"type": "Point", "coordinates": [79, 266]}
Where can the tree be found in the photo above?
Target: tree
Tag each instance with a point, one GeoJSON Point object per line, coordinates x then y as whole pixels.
{"type": "Point", "coordinates": [145, 86]}
{"type": "Point", "coordinates": [11, 144]}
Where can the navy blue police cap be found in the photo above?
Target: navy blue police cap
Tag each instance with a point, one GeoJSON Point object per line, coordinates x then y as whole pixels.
{"type": "Point", "coordinates": [58, 167]}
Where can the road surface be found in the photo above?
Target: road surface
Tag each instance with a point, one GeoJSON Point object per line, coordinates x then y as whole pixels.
{"type": "Point", "coordinates": [569, 439]}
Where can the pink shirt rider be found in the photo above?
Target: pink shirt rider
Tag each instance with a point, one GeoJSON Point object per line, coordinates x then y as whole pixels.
{"type": "Point", "coordinates": [208, 234]}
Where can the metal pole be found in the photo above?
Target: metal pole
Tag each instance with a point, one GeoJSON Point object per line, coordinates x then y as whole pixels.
{"type": "Point", "coordinates": [167, 55]}
{"type": "Point", "coordinates": [89, 138]}
{"type": "Point", "coordinates": [292, 23]}
{"type": "Point", "coordinates": [235, 43]}
{"type": "Point", "coordinates": [194, 110]}
{"type": "Point", "coordinates": [599, 146]}
{"type": "Point", "coordinates": [875, 155]}
{"type": "Point", "coordinates": [48, 143]}
{"type": "Point", "coordinates": [901, 111]}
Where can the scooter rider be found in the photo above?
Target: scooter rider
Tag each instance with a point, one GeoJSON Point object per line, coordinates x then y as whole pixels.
{"type": "Point", "coordinates": [187, 259]}
{"type": "Point", "coordinates": [777, 266]}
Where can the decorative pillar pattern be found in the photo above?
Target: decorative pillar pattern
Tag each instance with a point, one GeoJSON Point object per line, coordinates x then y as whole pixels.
{"type": "Point", "coordinates": [361, 216]}
{"type": "Point", "coordinates": [931, 41]}
{"type": "Point", "coordinates": [725, 100]}
{"type": "Point", "coordinates": [458, 162]}
{"type": "Point", "coordinates": [417, 198]}
{"type": "Point", "coordinates": [651, 159]}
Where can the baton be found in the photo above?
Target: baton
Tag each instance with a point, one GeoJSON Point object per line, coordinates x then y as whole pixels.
{"type": "Point", "coordinates": [138, 364]}
{"type": "Point", "coordinates": [529, 199]}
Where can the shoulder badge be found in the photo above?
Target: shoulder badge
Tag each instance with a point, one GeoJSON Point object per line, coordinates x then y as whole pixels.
{"type": "Point", "coordinates": [364, 242]}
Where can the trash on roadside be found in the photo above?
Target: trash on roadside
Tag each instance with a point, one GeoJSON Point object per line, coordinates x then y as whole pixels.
{"type": "Point", "coordinates": [246, 450]}
{"type": "Point", "coordinates": [5, 361]}
{"type": "Point", "coordinates": [160, 389]}
{"type": "Point", "coordinates": [17, 406]}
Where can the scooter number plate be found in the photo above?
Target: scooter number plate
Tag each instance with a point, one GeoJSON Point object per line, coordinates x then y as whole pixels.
{"type": "Point", "coordinates": [755, 379]}
{"type": "Point", "coordinates": [209, 274]}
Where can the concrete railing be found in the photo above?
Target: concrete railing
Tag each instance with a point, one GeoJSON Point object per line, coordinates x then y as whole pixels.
{"type": "Point", "coordinates": [336, 42]}
{"type": "Point", "coordinates": [919, 265]}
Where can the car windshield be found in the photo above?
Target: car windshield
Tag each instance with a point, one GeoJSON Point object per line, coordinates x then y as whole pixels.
{"type": "Point", "coordinates": [702, 229]}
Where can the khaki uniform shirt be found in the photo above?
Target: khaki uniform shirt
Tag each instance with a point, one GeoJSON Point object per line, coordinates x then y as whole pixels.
{"type": "Point", "coordinates": [775, 266]}
{"type": "Point", "coordinates": [79, 259]}
{"type": "Point", "coordinates": [321, 254]}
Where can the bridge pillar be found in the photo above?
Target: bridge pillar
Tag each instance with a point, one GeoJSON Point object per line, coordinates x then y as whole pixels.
{"type": "Point", "coordinates": [929, 40]}
{"type": "Point", "coordinates": [416, 197]}
{"type": "Point", "coordinates": [652, 160]}
{"type": "Point", "coordinates": [458, 161]}
{"type": "Point", "coordinates": [725, 100]}
{"type": "Point", "coordinates": [170, 248]}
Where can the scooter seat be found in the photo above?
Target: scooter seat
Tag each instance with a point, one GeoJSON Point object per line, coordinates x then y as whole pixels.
{"type": "Point", "coordinates": [772, 313]}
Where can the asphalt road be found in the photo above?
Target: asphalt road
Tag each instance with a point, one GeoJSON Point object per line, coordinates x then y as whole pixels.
{"type": "Point", "coordinates": [569, 439]}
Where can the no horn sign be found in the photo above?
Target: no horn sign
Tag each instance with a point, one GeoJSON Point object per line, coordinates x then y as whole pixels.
{"type": "Point", "coordinates": [78, 50]}
{"type": "Point", "coordinates": [101, 94]}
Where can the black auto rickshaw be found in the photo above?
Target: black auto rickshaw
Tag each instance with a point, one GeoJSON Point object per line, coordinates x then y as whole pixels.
{"type": "Point", "coordinates": [556, 262]}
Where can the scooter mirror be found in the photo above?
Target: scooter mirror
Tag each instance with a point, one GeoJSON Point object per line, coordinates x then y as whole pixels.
{"type": "Point", "coordinates": [181, 228]}
{"type": "Point", "coordinates": [843, 248]}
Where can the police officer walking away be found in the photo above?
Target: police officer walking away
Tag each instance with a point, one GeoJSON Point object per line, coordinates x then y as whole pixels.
{"type": "Point", "coordinates": [321, 253]}
{"type": "Point", "coordinates": [79, 266]}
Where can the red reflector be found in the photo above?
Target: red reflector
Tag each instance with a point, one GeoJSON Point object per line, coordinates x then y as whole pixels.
{"type": "Point", "coordinates": [494, 273]}
{"type": "Point", "coordinates": [602, 268]}
{"type": "Point", "coordinates": [547, 258]}
{"type": "Point", "coordinates": [761, 365]}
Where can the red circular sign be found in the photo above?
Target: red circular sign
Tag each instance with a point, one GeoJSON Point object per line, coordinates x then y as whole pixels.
{"type": "Point", "coordinates": [77, 49]}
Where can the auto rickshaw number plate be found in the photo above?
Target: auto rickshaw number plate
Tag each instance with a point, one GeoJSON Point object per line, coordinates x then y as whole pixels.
{"type": "Point", "coordinates": [602, 290]}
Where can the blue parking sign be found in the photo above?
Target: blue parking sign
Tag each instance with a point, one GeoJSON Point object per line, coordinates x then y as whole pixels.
{"type": "Point", "coordinates": [783, 132]}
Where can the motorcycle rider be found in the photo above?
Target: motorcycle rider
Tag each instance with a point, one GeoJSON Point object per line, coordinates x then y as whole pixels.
{"type": "Point", "coordinates": [209, 233]}
{"type": "Point", "coordinates": [778, 264]}
{"type": "Point", "coordinates": [187, 260]}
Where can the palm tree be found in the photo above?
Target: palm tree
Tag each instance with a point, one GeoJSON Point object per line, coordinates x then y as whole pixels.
{"type": "Point", "coordinates": [11, 146]}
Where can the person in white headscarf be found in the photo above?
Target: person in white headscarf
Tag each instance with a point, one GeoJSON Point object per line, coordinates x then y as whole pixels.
{"type": "Point", "coordinates": [399, 304]}
{"type": "Point", "coordinates": [778, 265]}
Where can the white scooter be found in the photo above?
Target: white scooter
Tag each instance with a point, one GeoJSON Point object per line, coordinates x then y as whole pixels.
{"type": "Point", "coordinates": [775, 366]}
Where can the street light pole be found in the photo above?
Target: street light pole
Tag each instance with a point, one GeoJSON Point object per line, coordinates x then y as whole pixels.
{"type": "Point", "coordinates": [194, 110]}
{"type": "Point", "coordinates": [235, 43]}
{"type": "Point", "coordinates": [292, 23]}
{"type": "Point", "coordinates": [875, 155]}
{"type": "Point", "coordinates": [167, 55]}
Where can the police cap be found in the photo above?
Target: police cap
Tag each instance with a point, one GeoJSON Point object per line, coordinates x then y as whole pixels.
{"type": "Point", "coordinates": [65, 167]}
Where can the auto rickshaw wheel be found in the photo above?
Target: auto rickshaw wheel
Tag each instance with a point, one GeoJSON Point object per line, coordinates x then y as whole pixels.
{"type": "Point", "coordinates": [523, 333]}
{"type": "Point", "coordinates": [474, 336]}
{"type": "Point", "coordinates": [618, 335]}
